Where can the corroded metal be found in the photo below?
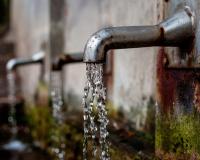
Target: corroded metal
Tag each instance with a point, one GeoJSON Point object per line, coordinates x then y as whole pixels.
{"type": "Point", "coordinates": [174, 31]}
{"type": "Point", "coordinates": [187, 55]}
{"type": "Point", "coordinates": [39, 58]}
{"type": "Point", "coordinates": [67, 59]}
{"type": "Point", "coordinates": [177, 98]}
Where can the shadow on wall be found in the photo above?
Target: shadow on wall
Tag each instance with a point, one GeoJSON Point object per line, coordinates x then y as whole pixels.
{"type": "Point", "coordinates": [4, 18]}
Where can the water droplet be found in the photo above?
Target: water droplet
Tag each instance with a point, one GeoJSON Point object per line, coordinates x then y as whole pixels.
{"type": "Point", "coordinates": [96, 93]}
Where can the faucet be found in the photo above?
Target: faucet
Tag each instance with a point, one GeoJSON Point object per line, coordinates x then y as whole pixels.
{"type": "Point", "coordinates": [174, 31]}
{"type": "Point", "coordinates": [67, 59]}
{"type": "Point", "coordinates": [15, 62]}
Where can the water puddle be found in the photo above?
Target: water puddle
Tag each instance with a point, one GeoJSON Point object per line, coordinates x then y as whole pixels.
{"type": "Point", "coordinates": [95, 114]}
{"type": "Point", "coordinates": [15, 145]}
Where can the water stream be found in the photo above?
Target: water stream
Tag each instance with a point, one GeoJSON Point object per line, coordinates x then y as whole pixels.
{"type": "Point", "coordinates": [57, 104]}
{"type": "Point", "coordinates": [95, 114]}
{"type": "Point", "coordinates": [12, 100]}
{"type": "Point", "coordinates": [13, 144]}
{"type": "Point", "coordinates": [56, 95]}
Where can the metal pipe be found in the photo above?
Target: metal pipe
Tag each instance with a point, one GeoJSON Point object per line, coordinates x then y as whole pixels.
{"type": "Point", "coordinates": [16, 62]}
{"type": "Point", "coordinates": [67, 59]}
{"type": "Point", "coordinates": [172, 32]}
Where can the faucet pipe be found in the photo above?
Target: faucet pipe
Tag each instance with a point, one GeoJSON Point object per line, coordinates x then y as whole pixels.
{"type": "Point", "coordinates": [174, 31]}
{"type": "Point", "coordinates": [16, 62]}
{"type": "Point", "coordinates": [67, 59]}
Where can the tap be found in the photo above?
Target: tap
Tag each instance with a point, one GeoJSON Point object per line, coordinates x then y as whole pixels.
{"type": "Point", "coordinates": [67, 59]}
{"type": "Point", "coordinates": [15, 62]}
{"type": "Point", "coordinates": [174, 31]}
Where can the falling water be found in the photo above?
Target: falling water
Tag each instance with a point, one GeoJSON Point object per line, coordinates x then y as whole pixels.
{"type": "Point", "coordinates": [13, 144]}
{"type": "Point", "coordinates": [12, 100]}
{"type": "Point", "coordinates": [57, 104]}
{"type": "Point", "coordinates": [56, 94]}
{"type": "Point", "coordinates": [94, 100]}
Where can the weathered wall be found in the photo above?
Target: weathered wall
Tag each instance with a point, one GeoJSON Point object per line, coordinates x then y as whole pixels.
{"type": "Point", "coordinates": [134, 69]}
{"type": "Point", "coordinates": [84, 18]}
{"type": "Point", "coordinates": [30, 28]}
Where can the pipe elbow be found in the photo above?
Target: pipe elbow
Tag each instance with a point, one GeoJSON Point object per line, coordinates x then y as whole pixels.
{"type": "Point", "coordinates": [97, 46]}
{"type": "Point", "coordinates": [38, 57]}
{"type": "Point", "coordinates": [11, 65]}
{"type": "Point", "coordinates": [174, 32]}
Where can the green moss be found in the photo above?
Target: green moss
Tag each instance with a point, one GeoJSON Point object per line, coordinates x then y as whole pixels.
{"type": "Point", "coordinates": [49, 134]}
{"type": "Point", "coordinates": [178, 134]}
{"type": "Point", "coordinates": [42, 97]}
{"type": "Point", "coordinates": [40, 122]}
{"type": "Point", "coordinates": [117, 154]}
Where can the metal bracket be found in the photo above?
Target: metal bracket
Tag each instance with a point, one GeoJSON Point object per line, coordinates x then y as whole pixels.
{"type": "Point", "coordinates": [188, 55]}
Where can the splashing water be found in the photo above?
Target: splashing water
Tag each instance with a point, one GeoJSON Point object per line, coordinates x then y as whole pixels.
{"type": "Point", "coordinates": [11, 97]}
{"type": "Point", "coordinates": [94, 100]}
{"type": "Point", "coordinates": [56, 94]}
{"type": "Point", "coordinates": [57, 104]}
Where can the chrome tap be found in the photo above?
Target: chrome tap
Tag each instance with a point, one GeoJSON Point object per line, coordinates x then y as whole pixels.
{"type": "Point", "coordinates": [16, 62]}
{"type": "Point", "coordinates": [174, 31]}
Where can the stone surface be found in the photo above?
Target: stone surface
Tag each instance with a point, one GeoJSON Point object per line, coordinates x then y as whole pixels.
{"type": "Point", "coordinates": [30, 28]}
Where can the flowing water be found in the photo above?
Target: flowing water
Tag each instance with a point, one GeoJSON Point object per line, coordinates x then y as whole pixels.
{"type": "Point", "coordinates": [56, 94]}
{"type": "Point", "coordinates": [13, 144]}
{"type": "Point", "coordinates": [12, 100]}
{"type": "Point", "coordinates": [57, 104]}
{"type": "Point", "coordinates": [95, 114]}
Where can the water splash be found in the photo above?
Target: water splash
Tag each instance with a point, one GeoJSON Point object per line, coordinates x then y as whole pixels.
{"type": "Point", "coordinates": [57, 104]}
{"type": "Point", "coordinates": [12, 100]}
{"type": "Point", "coordinates": [94, 100]}
{"type": "Point", "coordinates": [56, 95]}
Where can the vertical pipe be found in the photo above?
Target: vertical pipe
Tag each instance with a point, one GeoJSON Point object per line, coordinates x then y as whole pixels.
{"type": "Point", "coordinates": [57, 16]}
{"type": "Point", "coordinates": [56, 41]}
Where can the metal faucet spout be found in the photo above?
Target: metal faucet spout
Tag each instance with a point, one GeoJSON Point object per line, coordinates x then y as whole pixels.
{"type": "Point", "coordinates": [172, 32]}
{"type": "Point", "coordinates": [67, 59]}
{"type": "Point", "coordinates": [15, 62]}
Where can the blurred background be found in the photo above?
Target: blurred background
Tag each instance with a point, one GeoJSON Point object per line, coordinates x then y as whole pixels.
{"type": "Point", "coordinates": [27, 27]}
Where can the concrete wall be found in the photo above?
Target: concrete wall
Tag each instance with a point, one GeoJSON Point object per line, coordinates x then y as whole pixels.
{"type": "Point", "coordinates": [30, 28]}
{"type": "Point", "coordinates": [134, 69]}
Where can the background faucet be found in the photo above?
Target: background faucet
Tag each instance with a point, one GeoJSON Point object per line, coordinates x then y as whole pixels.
{"type": "Point", "coordinates": [16, 62]}
{"type": "Point", "coordinates": [174, 31]}
{"type": "Point", "coordinates": [66, 59]}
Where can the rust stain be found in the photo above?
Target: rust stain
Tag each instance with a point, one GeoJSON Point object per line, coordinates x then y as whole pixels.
{"type": "Point", "coordinates": [176, 85]}
{"type": "Point", "coordinates": [165, 84]}
{"type": "Point", "coordinates": [196, 100]}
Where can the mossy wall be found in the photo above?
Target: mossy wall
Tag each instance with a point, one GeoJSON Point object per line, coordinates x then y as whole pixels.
{"type": "Point", "coordinates": [178, 136]}
{"type": "Point", "coordinates": [177, 117]}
